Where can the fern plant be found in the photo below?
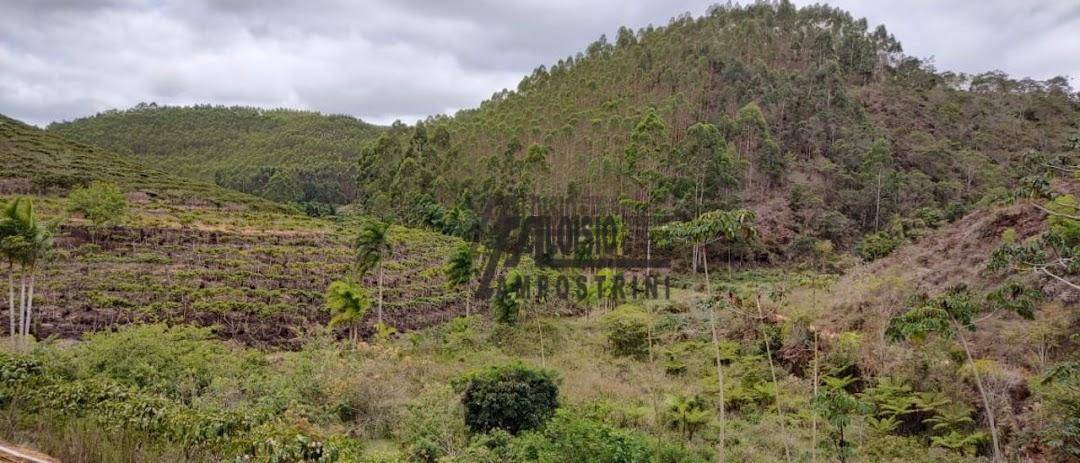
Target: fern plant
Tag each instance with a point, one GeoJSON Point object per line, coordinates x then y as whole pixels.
{"type": "Point", "coordinates": [687, 414]}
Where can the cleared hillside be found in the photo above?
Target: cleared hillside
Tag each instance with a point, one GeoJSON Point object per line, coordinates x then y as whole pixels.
{"type": "Point", "coordinates": [187, 251]}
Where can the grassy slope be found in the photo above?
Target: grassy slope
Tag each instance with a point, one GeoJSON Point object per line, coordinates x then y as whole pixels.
{"type": "Point", "coordinates": [190, 251]}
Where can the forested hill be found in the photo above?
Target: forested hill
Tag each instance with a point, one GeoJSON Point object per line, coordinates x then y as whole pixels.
{"type": "Point", "coordinates": [284, 155]}
{"type": "Point", "coordinates": [809, 116]}
{"type": "Point", "coordinates": [36, 162]}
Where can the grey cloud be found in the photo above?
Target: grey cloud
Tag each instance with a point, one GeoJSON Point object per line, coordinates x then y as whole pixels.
{"type": "Point", "coordinates": [388, 59]}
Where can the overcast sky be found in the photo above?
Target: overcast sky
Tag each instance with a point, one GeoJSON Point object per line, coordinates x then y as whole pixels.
{"type": "Point", "coordinates": [383, 60]}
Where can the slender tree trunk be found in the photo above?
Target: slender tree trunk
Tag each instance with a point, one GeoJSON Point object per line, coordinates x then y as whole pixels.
{"type": "Point", "coordinates": [982, 391]}
{"type": "Point", "coordinates": [813, 411]}
{"type": "Point", "coordinates": [468, 299]}
{"type": "Point", "coordinates": [648, 253]}
{"type": "Point", "coordinates": [22, 307]}
{"type": "Point", "coordinates": [540, 332]}
{"type": "Point", "coordinates": [877, 204]}
{"type": "Point", "coordinates": [11, 302]}
{"type": "Point", "coordinates": [648, 333]}
{"type": "Point", "coordinates": [776, 385]}
{"type": "Point", "coordinates": [716, 349]}
{"type": "Point", "coordinates": [30, 305]}
{"type": "Point", "coordinates": [380, 292]}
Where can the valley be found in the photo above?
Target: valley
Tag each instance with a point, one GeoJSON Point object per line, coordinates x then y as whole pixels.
{"type": "Point", "coordinates": [860, 258]}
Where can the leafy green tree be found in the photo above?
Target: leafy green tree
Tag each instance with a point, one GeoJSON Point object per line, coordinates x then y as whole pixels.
{"type": "Point", "coordinates": [709, 160]}
{"type": "Point", "coordinates": [510, 397]}
{"type": "Point", "coordinates": [837, 406]}
{"type": "Point", "coordinates": [1058, 390]}
{"type": "Point", "coordinates": [461, 270]}
{"type": "Point", "coordinates": [372, 247]}
{"type": "Point", "coordinates": [348, 303]}
{"type": "Point", "coordinates": [759, 145]}
{"type": "Point", "coordinates": [101, 203]}
{"type": "Point", "coordinates": [10, 249]}
{"type": "Point", "coordinates": [707, 171]}
{"type": "Point", "coordinates": [643, 163]}
{"type": "Point", "coordinates": [876, 169]}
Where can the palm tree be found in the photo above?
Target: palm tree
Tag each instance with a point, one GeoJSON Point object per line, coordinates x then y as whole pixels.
{"type": "Point", "coordinates": [8, 233]}
{"type": "Point", "coordinates": [348, 303]}
{"type": "Point", "coordinates": [460, 270]}
{"type": "Point", "coordinates": [26, 242]}
{"type": "Point", "coordinates": [372, 245]}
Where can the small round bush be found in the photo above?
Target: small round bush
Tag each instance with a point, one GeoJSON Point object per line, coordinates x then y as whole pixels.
{"type": "Point", "coordinates": [878, 245]}
{"type": "Point", "coordinates": [511, 397]}
{"type": "Point", "coordinates": [627, 330]}
{"type": "Point", "coordinates": [101, 203]}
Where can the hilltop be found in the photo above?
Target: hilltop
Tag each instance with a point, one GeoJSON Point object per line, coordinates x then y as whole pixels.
{"type": "Point", "coordinates": [808, 116]}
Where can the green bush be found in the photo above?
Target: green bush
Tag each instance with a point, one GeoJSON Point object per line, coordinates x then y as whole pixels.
{"type": "Point", "coordinates": [17, 372]}
{"type": "Point", "coordinates": [280, 441]}
{"type": "Point", "coordinates": [627, 331]}
{"type": "Point", "coordinates": [573, 439]}
{"type": "Point", "coordinates": [931, 216]}
{"type": "Point", "coordinates": [506, 303]}
{"type": "Point", "coordinates": [180, 362]}
{"type": "Point", "coordinates": [16, 369]}
{"type": "Point", "coordinates": [511, 397]}
{"type": "Point", "coordinates": [878, 245]}
{"type": "Point", "coordinates": [101, 203]}
{"type": "Point", "coordinates": [432, 427]}
{"type": "Point", "coordinates": [1058, 391]}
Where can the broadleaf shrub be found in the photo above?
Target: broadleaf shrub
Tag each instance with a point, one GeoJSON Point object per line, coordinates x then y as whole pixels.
{"type": "Point", "coordinates": [511, 397]}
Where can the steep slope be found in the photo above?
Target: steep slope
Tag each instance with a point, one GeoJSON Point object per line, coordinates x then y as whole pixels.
{"type": "Point", "coordinates": [283, 155]}
{"type": "Point", "coordinates": [808, 106]}
{"type": "Point", "coordinates": [187, 251]}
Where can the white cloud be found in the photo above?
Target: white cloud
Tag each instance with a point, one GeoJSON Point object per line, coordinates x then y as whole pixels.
{"type": "Point", "coordinates": [389, 59]}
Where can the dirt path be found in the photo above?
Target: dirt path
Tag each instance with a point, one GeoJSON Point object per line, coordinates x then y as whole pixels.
{"type": "Point", "coordinates": [12, 454]}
